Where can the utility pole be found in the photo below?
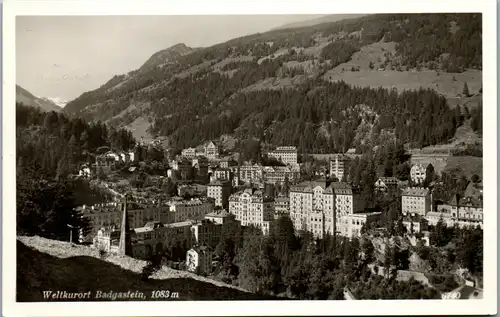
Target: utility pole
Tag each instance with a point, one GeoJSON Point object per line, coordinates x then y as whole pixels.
{"type": "Point", "coordinates": [70, 233]}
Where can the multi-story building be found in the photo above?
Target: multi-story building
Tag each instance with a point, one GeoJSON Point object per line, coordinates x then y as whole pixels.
{"type": "Point", "coordinates": [100, 216]}
{"type": "Point", "coordinates": [414, 224]}
{"type": "Point", "coordinates": [417, 173]}
{"type": "Point", "coordinates": [415, 201]}
{"type": "Point", "coordinates": [278, 174]}
{"type": "Point", "coordinates": [206, 233]}
{"type": "Point", "coordinates": [194, 209]}
{"type": "Point", "coordinates": [220, 216]}
{"type": "Point", "coordinates": [189, 153]}
{"type": "Point", "coordinates": [145, 241]}
{"type": "Point", "coordinates": [220, 191]}
{"type": "Point", "coordinates": [222, 174]}
{"type": "Point", "coordinates": [323, 208]}
{"type": "Point", "coordinates": [227, 163]}
{"type": "Point", "coordinates": [183, 168]}
{"type": "Point", "coordinates": [433, 217]}
{"type": "Point", "coordinates": [250, 173]}
{"type": "Point", "coordinates": [211, 150]}
{"type": "Point", "coordinates": [251, 207]}
{"type": "Point", "coordinates": [345, 202]}
{"type": "Point", "coordinates": [281, 206]}
{"type": "Point", "coordinates": [105, 163]}
{"type": "Point", "coordinates": [339, 165]}
{"type": "Point", "coordinates": [467, 211]}
{"type": "Point", "coordinates": [285, 154]}
{"type": "Point", "coordinates": [358, 220]}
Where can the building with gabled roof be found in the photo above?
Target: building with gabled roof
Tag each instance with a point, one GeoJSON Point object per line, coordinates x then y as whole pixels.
{"type": "Point", "coordinates": [418, 173]}
{"type": "Point", "coordinates": [467, 211]}
{"type": "Point", "coordinates": [189, 153]}
{"type": "Point", "coordinates": [211, 150]}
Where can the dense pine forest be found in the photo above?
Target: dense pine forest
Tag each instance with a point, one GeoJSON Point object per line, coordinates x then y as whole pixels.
{"type": "Point", "coordinates": [56, 144]}
{"type": "Point", "coordinates": [294, 116]}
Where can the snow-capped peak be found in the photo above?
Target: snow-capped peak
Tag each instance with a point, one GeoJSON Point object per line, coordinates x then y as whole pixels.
{"type": "Point", "coordinates": [58, 101]}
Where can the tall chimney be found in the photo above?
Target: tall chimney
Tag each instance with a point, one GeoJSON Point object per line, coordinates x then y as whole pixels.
{"type": "Point", "coordinates": [124, 246]}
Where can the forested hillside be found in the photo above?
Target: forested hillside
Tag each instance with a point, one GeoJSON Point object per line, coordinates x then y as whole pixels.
{"type": "Point", "coordinates": [271, 86]}
{"type": "Point", "coordinates": [52, 144]}
{"type": "Point", "coordinates": [49, 148]}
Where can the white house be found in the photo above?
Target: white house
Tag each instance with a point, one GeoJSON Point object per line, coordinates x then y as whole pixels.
{"type": "Point", "coordinates": [417, 173]}
{"type": "Point", "coordinates": [199, 259]}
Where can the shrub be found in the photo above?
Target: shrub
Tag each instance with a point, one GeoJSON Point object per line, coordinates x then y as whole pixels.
{"type": "Point", "coordinates": [103, 254]}
{"type": "Point", "coordinates": [153, 265]}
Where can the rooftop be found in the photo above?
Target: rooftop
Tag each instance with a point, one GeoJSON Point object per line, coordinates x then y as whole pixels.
{"type": "Point", "coordinates": [180, 224]}
{"type": "Point", "coordinates": [415, 191]}
{"type": "Point", "coordinates": [219, 183]}
{"type": "Point", "coordinates": [222, 213]}
{"type": "Point", "coordinates": [366, 214]}
{"type": "Point", "coordinates": [390, 180]}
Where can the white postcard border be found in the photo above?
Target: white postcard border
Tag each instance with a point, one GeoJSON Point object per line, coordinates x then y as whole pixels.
{"type": "Point", "coordinates": [211, 308]}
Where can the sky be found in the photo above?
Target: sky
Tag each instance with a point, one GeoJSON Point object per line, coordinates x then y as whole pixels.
{"type": "Point", "coordinates": [65, 56]}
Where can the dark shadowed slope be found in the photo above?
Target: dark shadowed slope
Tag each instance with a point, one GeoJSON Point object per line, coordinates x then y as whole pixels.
{"type": "Point", "coordinates": [38, 272]}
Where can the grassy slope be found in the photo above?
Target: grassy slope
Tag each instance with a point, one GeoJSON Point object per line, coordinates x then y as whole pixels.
{"type": "Point", "coordinates": [467, 165]}
{"type": "Point", "coordinates": [447, 84]}
{"type": "Point", "coordinates": [44, 264]}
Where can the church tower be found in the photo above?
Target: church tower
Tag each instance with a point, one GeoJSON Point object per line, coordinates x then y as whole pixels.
{"type": "Point", "coordinates": [125, 246]}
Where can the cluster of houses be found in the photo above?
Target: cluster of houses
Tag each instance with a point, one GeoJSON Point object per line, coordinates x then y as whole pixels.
{"type": "Point", "coordinates": [152, 226]}
{"type": "Point", "coordinates": [209, 150]}
{"type": "Point", "coordinates": [106, 161]}
{"type": "Point", "coordinates": [321, 207]}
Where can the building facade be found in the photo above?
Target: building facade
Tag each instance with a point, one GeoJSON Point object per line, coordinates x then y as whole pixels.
{"type": "Point", "coordinates": [323, 208]}
{"type": "Point", "coordinates": [194, 209]}
{"type": "Point", "coordinates": [250, 173]}
{"type": "Point", "coordinates": [285, 154]}
{"type": "Point", "coordinates": [415, 201]}
{"type": "Point", "coordinates": [222, 174]}
{"type": "Point", "coordinates": [281, 206]}
{"type": "Point", "coordinates": [417, 173]}
{"type": "Point", "coordinates": [211, 151]}
{"type": "Point", "coordinates": [220, 192]}
{"type": "Point", "coordinates": [339, 165]}
{"type": "Point", "coordinates": [199, 260]}
{"type": "Point", "coordinates": [250, 207]}
{"type": "Point", "coordinates": [278, 174]}
{"type": "Point", "coordinates": [467, 211]}
{"type": "Point", "coordinates": [358, 220]}
{"type": "Point", "coordinates": [206, 233]}
{"type": "Point", "coordinates": [189, 153]}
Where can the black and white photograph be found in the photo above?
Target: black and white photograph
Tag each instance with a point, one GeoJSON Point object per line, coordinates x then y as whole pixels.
{"type": "Point", "coordinates": [272, 158]}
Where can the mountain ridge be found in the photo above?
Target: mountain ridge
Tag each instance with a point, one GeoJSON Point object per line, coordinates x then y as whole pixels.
{"type": "Point", "coordinates": [166, 56]}
{"type": "Point", "coordinates": [197, 90]}
{"type": "Point", "coordinates": [27, 98]}
{"type": "Point", "coordinates": [324, 19]}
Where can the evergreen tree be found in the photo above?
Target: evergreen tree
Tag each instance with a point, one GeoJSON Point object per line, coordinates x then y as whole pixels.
{"type": "Point", "coordinates": [465, 90]}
